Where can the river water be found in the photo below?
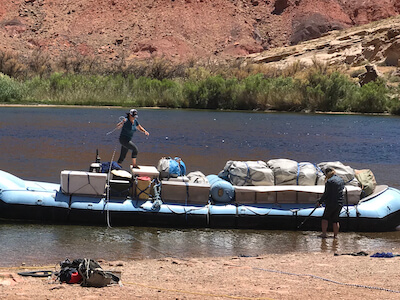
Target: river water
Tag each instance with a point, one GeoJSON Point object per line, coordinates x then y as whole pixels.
{"type": "Point", "coordinates": [37, 143]}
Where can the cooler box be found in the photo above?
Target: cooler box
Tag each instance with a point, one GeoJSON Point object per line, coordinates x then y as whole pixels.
{"type": "Point", "coordinates": [143, 187]}
{"type": "Point", "coordinates": [185, 192]}
{"type": "Point", "coordinates": [83, 183]}
{"type": "Point", "coordinates": [148, 171]}
{"type": "Point", "coordinates": [244, 195]}
{"type": "Point", "coordinates": [120, 188]}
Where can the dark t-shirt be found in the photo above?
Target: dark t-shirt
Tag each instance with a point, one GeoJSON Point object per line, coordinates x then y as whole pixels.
{"type": "Point", "coordinates": [333, 194]}
{"type": "Point", "coordinates": [128, 129]}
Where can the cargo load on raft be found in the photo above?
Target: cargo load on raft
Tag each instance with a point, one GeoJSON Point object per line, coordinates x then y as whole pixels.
{"type": "Point", "coordinates": [273, 194]}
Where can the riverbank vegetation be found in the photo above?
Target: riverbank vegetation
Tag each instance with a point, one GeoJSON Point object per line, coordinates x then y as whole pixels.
{"type": "Point", "coordinates": [76, 80]}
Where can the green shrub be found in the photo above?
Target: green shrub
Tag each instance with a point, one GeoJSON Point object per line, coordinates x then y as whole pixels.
{"type": "Point", "coordinates": [145, 91]}
{"type": "Point", "coordinates": [252, 93]}
{"type": "Point", "coordinates": [190, 93]}
{"type": "Point", "coordinates": [327, 92]}
{"type": "Point", "coordinates": [373, 98]}
{"type": "Point", "coordinates": [285, 94]}
{"type": "Point", "coordinates": [170, 94]}
{"type": "Point", "coordinates": [153, 92]}
{"type": "Point", "coordinates": [394, 105]}
{"type": "Point", "coordinates": [38, 90]}
{"type": "Point", "coordinates": [60, 82]}
{"type": "Point", "coordinates": [319, 90]}
{"type": "Point", "coordinates": [229, 99]}
{"type": "Point", "coordinates": [10, 89]}
{"type": "Point", "coordinates": [211, 93]}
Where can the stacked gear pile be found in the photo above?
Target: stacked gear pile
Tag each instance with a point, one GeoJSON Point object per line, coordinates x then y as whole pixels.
{"type": "Point", "coordinates": [283, 172]}
{"type": "Point", "coordinates": [247, 173]}
{"type": "Point", "coordinates": [290, 172]}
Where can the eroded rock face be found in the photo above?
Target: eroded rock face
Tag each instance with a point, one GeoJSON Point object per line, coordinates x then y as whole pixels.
{"type": "Point", "coordinates": [280, 6]}
{"type": "Point", "coordinates": [311, 27]}
{"type": "Point", "coordinates": [367, 11]}
{"type": "Point", "coordinates": [370, 75]}
{"type": "Point", "coordinates": [393, 33]}
{"type": "Point", "coordinates": [378, 43]}
{"type": "Point", "coordinates": [392, 54]}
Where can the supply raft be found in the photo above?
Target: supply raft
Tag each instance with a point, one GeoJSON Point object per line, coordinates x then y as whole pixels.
{"type": "Point", "coordinates": [278, 194]}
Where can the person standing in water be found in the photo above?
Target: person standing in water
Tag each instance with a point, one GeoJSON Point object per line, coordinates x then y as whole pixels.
{"type": "Point", "coordinates": [129, 125]}
{"type": "Point", "coordinates": [333, 199]}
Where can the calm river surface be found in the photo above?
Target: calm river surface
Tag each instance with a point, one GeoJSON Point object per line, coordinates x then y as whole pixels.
{"type": "Point", "coordinates": [37, 143]}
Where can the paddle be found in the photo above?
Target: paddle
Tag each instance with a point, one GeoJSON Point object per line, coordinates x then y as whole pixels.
{"type": "Point", "coordinates": [317, 204]}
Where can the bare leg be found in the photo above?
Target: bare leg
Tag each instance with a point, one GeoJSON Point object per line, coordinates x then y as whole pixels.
{"type": "Point", "coordinates": [324, 227]}
{"type": "Point", "coordinates": [336, 227]}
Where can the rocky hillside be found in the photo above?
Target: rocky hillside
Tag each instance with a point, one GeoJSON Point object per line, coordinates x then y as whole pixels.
{"type": "Point", "coordinates": [182, 29]}
{"type": "Point", "coordinates": [376, 43]}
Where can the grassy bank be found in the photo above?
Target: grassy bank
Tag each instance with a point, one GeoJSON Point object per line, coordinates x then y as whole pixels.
{"type": "Point", "coordinates": [208, 86]}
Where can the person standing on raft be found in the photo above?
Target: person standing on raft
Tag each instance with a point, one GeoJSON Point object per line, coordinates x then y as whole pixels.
{"type": "Point", "coordinates": [129, 125]}
{"type": "Point", "coordinates": [333, 199]}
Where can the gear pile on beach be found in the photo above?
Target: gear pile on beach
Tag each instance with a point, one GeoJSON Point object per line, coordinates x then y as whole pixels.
{"type": "Point", "coordinates": [87, 272]}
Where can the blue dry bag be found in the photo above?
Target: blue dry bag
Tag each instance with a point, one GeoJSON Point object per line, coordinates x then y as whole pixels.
{"type": "Point", "coordinates": [169, 167]}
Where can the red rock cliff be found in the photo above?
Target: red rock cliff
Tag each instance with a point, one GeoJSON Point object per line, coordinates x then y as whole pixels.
{"type": "Point", "coordinates": [176, 29]}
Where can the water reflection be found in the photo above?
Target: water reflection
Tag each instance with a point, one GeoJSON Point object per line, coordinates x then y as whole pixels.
{"type": "Point", "coordinates": [41, 244]}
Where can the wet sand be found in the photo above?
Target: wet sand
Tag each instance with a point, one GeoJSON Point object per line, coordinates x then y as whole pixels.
{"type": "Point", "coordinates": [288, 276]}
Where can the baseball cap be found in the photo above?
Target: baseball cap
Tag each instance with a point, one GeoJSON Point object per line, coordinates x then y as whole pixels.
{"type": "Point", "coordinates": [133, 112]}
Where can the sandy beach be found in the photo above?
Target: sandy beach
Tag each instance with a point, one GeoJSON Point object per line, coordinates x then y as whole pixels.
{"type": "Point", "coordinates": [289, 276]}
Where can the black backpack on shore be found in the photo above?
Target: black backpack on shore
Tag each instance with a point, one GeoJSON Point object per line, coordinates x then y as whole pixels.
{"type": "Point", "coordinates": [69, 271]}
{"type": "Point", "coordinates": [86, 271]}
